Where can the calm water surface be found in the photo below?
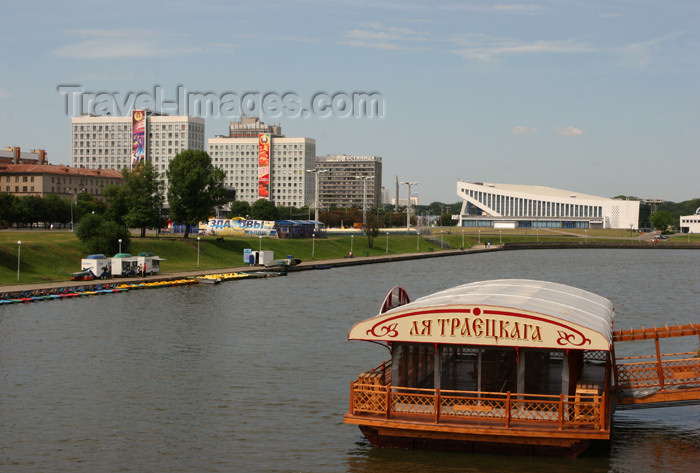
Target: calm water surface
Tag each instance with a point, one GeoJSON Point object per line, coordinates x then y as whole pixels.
{"type": "Point", "coordinates": [254, 376]}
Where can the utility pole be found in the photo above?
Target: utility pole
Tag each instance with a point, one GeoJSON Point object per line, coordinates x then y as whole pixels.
{"type": "Point", "coordinates": [396, 204]}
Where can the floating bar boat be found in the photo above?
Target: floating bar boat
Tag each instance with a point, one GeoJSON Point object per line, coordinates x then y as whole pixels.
{"type": "Point", "coordinates": [505, 366]}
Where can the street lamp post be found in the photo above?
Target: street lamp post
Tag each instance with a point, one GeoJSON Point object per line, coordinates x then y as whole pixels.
{"type": "Point", "coordinates": [260, 242]}
{"type": "Point", "coordinates": [313, 245]}
{"type": "Point", "coordinates": [364, 198]}
{"type": "Point", "coordinates": [70, 191]}
{"type": "Point", "coordinates": [75, 204]}
{"type": "Point", "coordinates": [500, 237]}
{"type": "Point", "coordinates": [198, 252]}
{"type": "Point", "coordinates": [19, 255]}
{"type": "Point", "coordinates": [316, 203]}
{"type": "Point", "coordinates": [417, 241]}
{"type": "Point", "coordinates": [408, 204]}
{"type": "Point", "coordinates": [352, 240]}
{"type": "Point", "coordinates": [120, 245]}
{"type": "Point", "coordinates": [462, 239]}
{"type": "Point", "coordinates": [387, 243]}
{"type": "Point", "coordinates": [480, 237]}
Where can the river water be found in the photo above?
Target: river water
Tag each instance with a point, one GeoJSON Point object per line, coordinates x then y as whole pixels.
{"type": "Point", "coordinates": [254, 375]}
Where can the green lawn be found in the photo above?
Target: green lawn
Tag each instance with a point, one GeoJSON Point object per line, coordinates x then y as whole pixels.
{"type": "Point", "coordinates": [54, 255]}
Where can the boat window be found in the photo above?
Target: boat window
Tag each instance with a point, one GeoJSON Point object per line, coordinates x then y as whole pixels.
{"type": "Point", "coordinates": [413, 365]}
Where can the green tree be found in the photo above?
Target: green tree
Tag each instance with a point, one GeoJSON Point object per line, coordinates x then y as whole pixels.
{"type": "Point", "coordinates": [58, 209]}
{"type": "Point", "coordinates": [264, 210]}
{"type": "Point", "coordinates": [144, 198]}
{"type": "Point", "coordinates": [117, 205]}
{"type": "Point", "coordinates": [19, 212]}
{"type": "Point", "coordinates": [661, 220]}
{"type": "Point", "coordinates": [239, 208]}
{"type": "Point", "coordinates": [35, 210]}
{"type": "Point", "coordinates": [371, 228]}
{"type": "Point", "coordinates": [100, 235]}
{"type": "Point", "coordinates": [7, 208]}
{"type": "Point", "coordinates": [196, 188]}
{"type": "Point", "coordinates": [87, 204]}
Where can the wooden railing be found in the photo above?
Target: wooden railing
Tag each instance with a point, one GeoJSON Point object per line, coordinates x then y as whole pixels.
{"type": "Point", "coordinates": [673, 369]}
{"type": "Point", "coordinates": [586, 408]}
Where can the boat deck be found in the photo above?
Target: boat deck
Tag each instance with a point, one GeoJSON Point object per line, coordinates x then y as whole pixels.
{"type": "Point", "coordinates": [378, 404]}
{"type": "Point", "coordinates": [657, 380]}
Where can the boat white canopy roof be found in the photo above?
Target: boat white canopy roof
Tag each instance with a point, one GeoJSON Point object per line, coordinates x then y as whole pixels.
{"type": "Point", "coordinates": [503, 312]}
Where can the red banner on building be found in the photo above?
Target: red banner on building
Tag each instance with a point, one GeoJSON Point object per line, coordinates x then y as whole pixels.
{"type": "Point", "coordinates": [264, 166]}
{"type": "Point", "coordinates": [138, 138]}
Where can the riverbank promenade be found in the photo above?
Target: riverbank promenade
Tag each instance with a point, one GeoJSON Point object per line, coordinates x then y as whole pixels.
{"type": "Point", "coordinates": [304, 265]}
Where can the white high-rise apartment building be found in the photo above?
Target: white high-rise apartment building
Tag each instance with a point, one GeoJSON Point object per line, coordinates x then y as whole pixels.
{"type": "Point", "coordinates": [104, 142]}
{"type": "Point", "coordinates": [290, 185]}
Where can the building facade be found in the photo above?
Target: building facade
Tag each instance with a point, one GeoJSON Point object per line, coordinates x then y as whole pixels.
{"type": "Point", "coordinates": [520, 206]}
{"type": "Point", "coordinates": [105, 142]}
{"type": "Point", "coordinates": [44, 179]}
{"type": "Point", "coordinates": [349, 181]}
{"type": "Point", "coordinates": [14, 155]}
{"type": "Point", "coordinates": [287, 183]}
{"type": "Point", "coordinates": [251, 127]}
{"type": "Point", "coordinates": [691, 223]}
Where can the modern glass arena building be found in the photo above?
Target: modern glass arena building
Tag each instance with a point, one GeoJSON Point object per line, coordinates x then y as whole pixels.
{"type": "Point", "coordinates": [492, 205]}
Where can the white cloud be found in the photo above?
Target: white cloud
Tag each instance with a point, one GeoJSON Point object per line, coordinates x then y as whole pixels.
{"type": "Point", "coordinates": [568, 131]}
{"type": "Point", "coordinates": [517, 8]}
{"type": "Point", "coordinates": [295, 39]}
{"type": "Point", "coordinates": [523, 130]}
{"type": "Point", "coordinates": [373, 45]}
{"type": "Point", "coordinates": [379, 36]}
{"type": "Point", "coordinates": [640, 54]}
{"type": "Point", "coordinates": [111, 44]}
{"type": "Point", "coordinates": [477, 46]}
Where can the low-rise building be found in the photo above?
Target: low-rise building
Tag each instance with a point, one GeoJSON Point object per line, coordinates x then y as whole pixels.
{"type": "Point", "coordinates": [14, 155]}
{"type": "Point", "coordinates": [44, 179]}
{"type": "Point", "coordinates": [494, 205]}
{"type": "Point", "coordinates": [691, 223]}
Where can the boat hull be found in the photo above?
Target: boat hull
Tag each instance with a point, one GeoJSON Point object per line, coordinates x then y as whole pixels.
{"type": "Point", "coordinates": [460, 442]}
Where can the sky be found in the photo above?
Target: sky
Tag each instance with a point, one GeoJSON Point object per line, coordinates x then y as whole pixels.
{"type": "Point", "coordinates": [595, 97]}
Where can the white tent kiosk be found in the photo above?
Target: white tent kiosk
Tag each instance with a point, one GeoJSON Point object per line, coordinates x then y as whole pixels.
{"type": "Point", "coordinates": [99, 264]}
{"type": "Point", "coordinates": [123, 264]}
{"type": "Point", "coordinates": [150, 261]}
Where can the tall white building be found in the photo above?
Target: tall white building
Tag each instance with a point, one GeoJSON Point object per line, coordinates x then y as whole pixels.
{"type": "Point", "coordinates": [519, 206]}
{"type": "Point", "coordinates": [289, 184]}
{"type": "Point", "coordinates": [105, 142]}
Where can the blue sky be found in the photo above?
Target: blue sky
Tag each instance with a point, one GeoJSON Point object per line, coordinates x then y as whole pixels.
{"type": "Point", "coordinates": [597, 97]}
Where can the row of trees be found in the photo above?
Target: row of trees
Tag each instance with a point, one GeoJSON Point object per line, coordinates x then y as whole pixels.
{"type": "Point", "coordinates": [33, 210]}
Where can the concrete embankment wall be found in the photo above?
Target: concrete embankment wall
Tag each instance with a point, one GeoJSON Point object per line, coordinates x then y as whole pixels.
{"type": "Point", "coordinates": [622, 244]}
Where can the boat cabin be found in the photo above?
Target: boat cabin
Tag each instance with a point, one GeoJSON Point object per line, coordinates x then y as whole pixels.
{"type": "Point", "coordinates": [521, 366]}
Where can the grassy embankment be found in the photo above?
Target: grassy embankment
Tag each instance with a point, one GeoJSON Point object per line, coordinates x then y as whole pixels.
{"type": "Point", "coordinates": [54, 255]}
